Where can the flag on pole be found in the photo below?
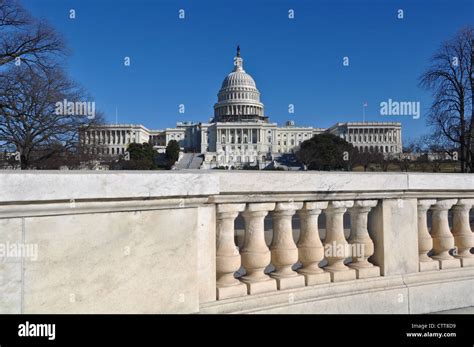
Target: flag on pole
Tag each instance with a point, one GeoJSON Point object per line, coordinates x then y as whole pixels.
{"type": "Point", "coordinates": [364, 105]}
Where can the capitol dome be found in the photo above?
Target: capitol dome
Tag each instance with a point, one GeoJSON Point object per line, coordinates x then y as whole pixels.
{"type": "Point", "coordinates": [238, 99]}
{"type": "Point", "coordinates": [238, 79]}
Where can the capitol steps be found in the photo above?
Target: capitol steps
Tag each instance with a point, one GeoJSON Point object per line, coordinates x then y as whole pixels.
{"type": "Point", "coordinates": [189, 161]}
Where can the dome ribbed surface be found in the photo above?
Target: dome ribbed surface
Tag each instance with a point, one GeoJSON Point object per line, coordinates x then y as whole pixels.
{"type": "Point", "coordinates": [238, 79]}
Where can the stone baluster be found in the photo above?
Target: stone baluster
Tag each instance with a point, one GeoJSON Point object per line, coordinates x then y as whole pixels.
{"type": "Point", "coordinates": [463, 237]}
{"type": "Point", "coordinates": [362, 245]}
{"type": "Point", "coordinates": [425, 241]}
{"type": "Point", "coordinates": [227, 254]}
{"type": "Point", "coordinates": [443, 240]}
{"type": "Point", "coordinates": [284, 253]}
{"type": "Point", "coordinates": [335, 245]}
{"type": "Point", "coordinates": [255, 253]}
{"type": "Point", "coordinates": [310, 248]}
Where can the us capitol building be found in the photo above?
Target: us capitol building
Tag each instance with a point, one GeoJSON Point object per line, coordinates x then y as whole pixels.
{"type": "Point", "coordinates": [240, 133]}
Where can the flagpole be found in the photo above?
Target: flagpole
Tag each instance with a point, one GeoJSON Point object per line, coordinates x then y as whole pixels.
{"type": "Point", "coordinates": [363, 113]}
{"type": "Point", "coordinates": [116, 115]}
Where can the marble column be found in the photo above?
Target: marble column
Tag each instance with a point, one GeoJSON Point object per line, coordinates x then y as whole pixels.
{"type": "Point", "coordinates": [228, 260]}
{"type": "Point", "coordinates": [336, 248]}
{"type": "Point", "coordinates": [425, 241]}
{"type": "Point", "coordinates": [362, 246]}
{"type": "Point", "coordinates": [463, 236]}
{"type": "Point", "coordinates": [255, 253]}
{"type": "Point", "coordinates": [310, 248]}
{"type": "Point", "coordinates": [443, 240]}
{"type": "Point", "coordinates": [284, 253]}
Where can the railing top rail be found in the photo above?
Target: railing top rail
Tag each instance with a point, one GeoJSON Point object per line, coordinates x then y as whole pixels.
{"type": "Point", "coordinates": [26, 186]}
{"type": "Point", "coordinates": [282, 182]}
{"type": "Point", "coordinates": [95, 185]}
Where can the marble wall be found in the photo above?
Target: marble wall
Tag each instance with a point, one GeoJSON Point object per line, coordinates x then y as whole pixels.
{"type": "Point", "coordinates": [145, 242]}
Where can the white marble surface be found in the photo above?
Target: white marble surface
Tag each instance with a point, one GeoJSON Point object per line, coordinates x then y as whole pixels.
{"type": "Point", "coordinates": [75, 185]}
{"type": "Point", "coordinates": [67, 185]}
{"type": "Point", "coordinates": [310, 181]}
{"type": "Point", "coordinates": [130, 262]}
{"type": "Point", "coordinates": [83, 266]}
{"type": "Point", "coordinates": [440, 181]}
{"type": "Point", "coordinates": [393, 228]}
{"type": "Point", "coordinates": [320, 181]}
{"type": "Point", "coordinates": [413, 293]}
{"type": "Point", "coordinates": [10, 267]}
{"type": "Point", "coordinates": [206, 248]}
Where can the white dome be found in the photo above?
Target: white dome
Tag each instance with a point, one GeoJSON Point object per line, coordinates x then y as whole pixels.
{"type": "Point", "coordinates": [238, 99]}
{"type": "Point", "coordinates": [238, 78]}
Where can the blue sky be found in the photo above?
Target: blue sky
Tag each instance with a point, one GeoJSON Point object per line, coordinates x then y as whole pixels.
{"type": "Point", "coordinates": [299, 61]}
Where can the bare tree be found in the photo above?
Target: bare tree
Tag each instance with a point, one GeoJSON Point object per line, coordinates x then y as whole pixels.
{"type": "Point", "coordinates": [29, 119]}
{"type": "Point", "coordinates": [383, 161]}
{"type": "Point", "coordinates": [24, 39]}
{"type": "Point", "coordinates": [422, 163]}
{"type": "Point", "coordinates": [450, 77]}
{"type": "Point", "coordinates": [364, 159]}
{"type": "Point", "coordinates": [31, 84]}
{"type": "Point", "coordinates": [404, 162]}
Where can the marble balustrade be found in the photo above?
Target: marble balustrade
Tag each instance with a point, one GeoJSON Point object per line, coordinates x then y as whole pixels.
{"type": "Point", "coordinates": [236, 242]}
{"type": "Point", "coordinates": [342, 255]}
{"type": "Point", "coordinates": [445, 246]}
{"type": "Point", "coordinates": [309, 261]}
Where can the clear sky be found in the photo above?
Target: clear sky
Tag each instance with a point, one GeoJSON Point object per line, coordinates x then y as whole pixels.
{"type": "Point", "coordinates": [294, 61]}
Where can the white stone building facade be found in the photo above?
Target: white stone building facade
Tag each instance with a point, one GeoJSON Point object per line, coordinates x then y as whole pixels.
{"type": "Point", "coordinates": [240, 134]}
{"type": "Point", "coordinates": [383, 137]}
